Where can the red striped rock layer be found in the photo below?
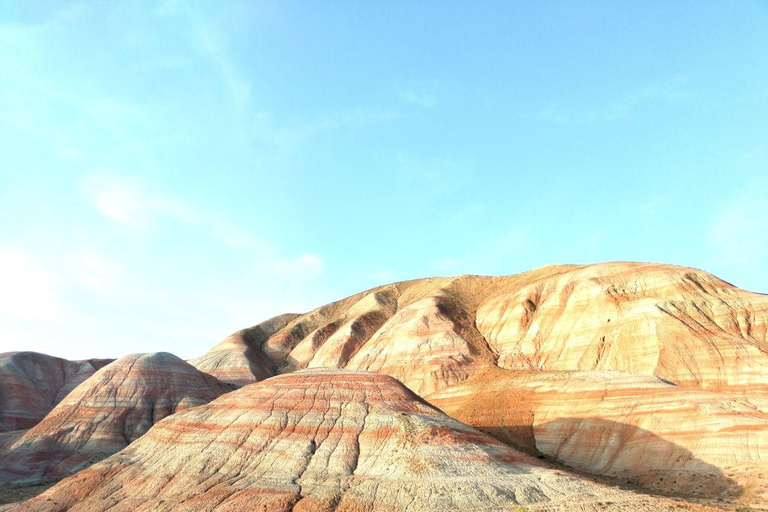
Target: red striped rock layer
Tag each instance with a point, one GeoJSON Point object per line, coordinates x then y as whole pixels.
{"type": "Point", "coordinates": [104, 414]}
{"type": "Point", "coordinates": [31, 384]}
{"type": "Point", "coordinates": [637, 429]}
{"type": "Point", "coordinates": [321, 441]}
{"type": "Point", "coordinates": [680, 324]}
{"type": "Point", "coordinates": [238, 359]}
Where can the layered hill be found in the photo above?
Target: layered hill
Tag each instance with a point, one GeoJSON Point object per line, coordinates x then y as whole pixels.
{"type": "Point", "coordinates": [617, 356]}
{"type": "Point", "coordinates": [324, 440]}
{"type": "Point", "coordinates": [32, 384]}
{"type": "Point", "coordinates": [104, 414]}
{"type": "Point", "coordinates": [679, 324]}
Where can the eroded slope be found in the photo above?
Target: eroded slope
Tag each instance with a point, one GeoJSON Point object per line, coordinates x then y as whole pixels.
{"type": "Point", "coordinates": [322, 440]}
{"type": "Point", "coordinates": [104, 414]}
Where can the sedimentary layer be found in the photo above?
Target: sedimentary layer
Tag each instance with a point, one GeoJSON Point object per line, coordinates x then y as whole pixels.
{"type": "Point", "coordinates": [322, 440]}
{"type": "Point", "coordinates": [104, 414]}
{"type": "Point", "coordinates": [31, 384]}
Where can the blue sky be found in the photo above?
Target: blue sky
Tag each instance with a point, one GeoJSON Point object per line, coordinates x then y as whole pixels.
{"type": "Point", "coordinates": [172, 171]}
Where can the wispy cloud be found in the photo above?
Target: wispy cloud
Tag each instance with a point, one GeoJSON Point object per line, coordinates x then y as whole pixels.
{"type": "Point", "coordinates": [130, 201]}
{"type": "Point", "coordinates": [212, 44]}
{"type": "Point", "coordinates": [125, 199]}
{"type": "Point", "coordinates": [445, 175]}
{"type": "Point", "coordinates": [420, 93]}
{"type": "Point", "coordinates": [286, 136]}
{"type": "Point", "coordinates": [620, 108]}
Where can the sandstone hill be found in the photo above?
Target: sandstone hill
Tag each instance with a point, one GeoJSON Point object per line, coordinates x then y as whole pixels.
{"type": "Point", "coordinates": [325, 440]}
{"type": "Point", "coordinates": [104, 414]}
{"type": "Point", "coordinates": [679, 324]}
{"type": "Point", "coordinates": [32, 385]}
{"type": "Point", "coordinates": [612, 355]}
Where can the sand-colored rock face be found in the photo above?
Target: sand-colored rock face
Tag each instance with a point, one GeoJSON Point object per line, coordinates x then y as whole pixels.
{"type": "Point", "coordinates": [104, 414]}
{"type": "Point", "coordinates": [679, 324]}
{"type": "Point", "coordinates": [636, 428]}
{"type": "Point", "coordinates": [238, 359]}
{"type": "Point", "coordinates": [31, 384]}
{"type": "Point", "coordinates": [683, 325]}
{"type": "Point", "coordinates": [321, 441]}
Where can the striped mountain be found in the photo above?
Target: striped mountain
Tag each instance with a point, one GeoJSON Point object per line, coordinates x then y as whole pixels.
{"type": "Point", "coordinates": [31, 384]}
{"type": "Point", "coordinates": [104, 414]}
{"type": "Point", "coordinates": [680, 355]}
{"type": "Point", "coordinates": [325, 440]}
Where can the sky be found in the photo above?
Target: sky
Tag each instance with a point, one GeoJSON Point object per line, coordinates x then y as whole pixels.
{"type": "Point", "coordinates": [171, 172]}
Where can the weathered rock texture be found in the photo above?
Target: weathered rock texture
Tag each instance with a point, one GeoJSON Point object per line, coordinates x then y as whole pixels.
{"type": "Point", "coordinates": [31, 384]}
{"type": "Point", "coordinates": [635, 428]}
{"type": "Point", "coordinates": [691, 349]}
{"type": "Point", "coordinates": [683, 325]}
{"type": "Point", "coordinates": [680, 324]}
{"type": "Point", "coordinates": [104, 414]}
{"type": "Point", "coordinates": [324, 441]}
{"type": "Point", "coordinates": [238, 359]}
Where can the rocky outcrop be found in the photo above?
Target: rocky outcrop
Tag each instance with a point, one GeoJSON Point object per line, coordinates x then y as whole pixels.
{"type": "Point", "coordinates": [320, 441]}
{"type": "Point", "coordinates": [31, 384]}
{"type": "Point", "coordinates": [113, 408]}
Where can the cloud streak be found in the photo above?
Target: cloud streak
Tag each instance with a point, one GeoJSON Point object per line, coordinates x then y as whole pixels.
{"type": "Point", "coordinates": [619, 109]}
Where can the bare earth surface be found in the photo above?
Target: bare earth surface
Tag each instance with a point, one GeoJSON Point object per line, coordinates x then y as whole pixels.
{"type": "Point", "coordinates": [105, 414]}
{"type": "Point", "coordinates": [32, 385]}
{"type": "Point", "coordinates": [325, 440]}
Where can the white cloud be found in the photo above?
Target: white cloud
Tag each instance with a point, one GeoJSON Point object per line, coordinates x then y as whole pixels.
{"type": "Point", "coordinates": [211, 43]}
{"type": "Point", "coordinates": [419, 97]}
{"type": "Point", "coordinates": [445, 175]}
{"type": "Point", "coordinates": [27, 290]}
{"type": "Point", "coordinates": [127, 200]}
{"type": "Point", "coordinates": [305, 267]}
{"type": "Point", "coordinates": [422, 94]}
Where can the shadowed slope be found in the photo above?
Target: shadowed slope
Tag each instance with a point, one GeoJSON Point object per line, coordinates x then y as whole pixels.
{"type": "Point", "coordinates": [323, 440]}
{"type": "Point", "coordinates": [238, 359]}
{"type": "Point", "coordinates": [31, 384]}
{"type": "Point", "coordinates": [636, 428]}
{"type": "Point", "coordinates": [105, 413]}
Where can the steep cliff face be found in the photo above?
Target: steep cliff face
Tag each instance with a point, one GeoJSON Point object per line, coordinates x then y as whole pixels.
{"type": "Point", "coordinates": [31, 384]}
{"type": "Point", "coordinates": [321, 441]}
{"type": "Point", "coordinates": [104, 414]}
